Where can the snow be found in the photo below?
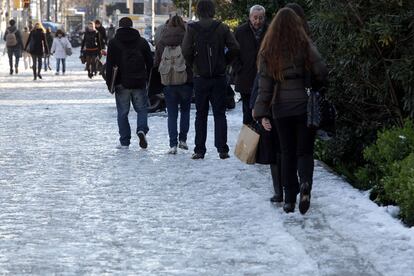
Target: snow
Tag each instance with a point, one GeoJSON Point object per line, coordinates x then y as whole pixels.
{"type": "Point", "coordinates": [73, 204]}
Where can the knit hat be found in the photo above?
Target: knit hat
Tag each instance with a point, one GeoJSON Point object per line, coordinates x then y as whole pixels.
{"type": "Point", "coordinates": [125, 22]}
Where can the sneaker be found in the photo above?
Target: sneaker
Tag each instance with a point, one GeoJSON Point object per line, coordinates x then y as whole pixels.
{"type": "Point", "coordinates": [196, 156]}
{"type": "Point", "coordinates": [224, 155]}
{"type": "Point", "coordinates": [183, 145]}
{"type": "Point", "coordinates": [172, 150]}
{"type": "Point", "coordinates": [142, 139]}
{"type": "Point", "coordinates": [305, 196]}
{"type": "Point", "coordinates": [122, 147]}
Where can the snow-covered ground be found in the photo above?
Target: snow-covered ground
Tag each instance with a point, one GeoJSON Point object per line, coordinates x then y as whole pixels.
{"type": "Point", "coordinates": [70, 203]}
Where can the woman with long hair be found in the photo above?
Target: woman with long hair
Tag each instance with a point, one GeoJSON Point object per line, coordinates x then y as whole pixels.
{"type": "Point", "coordinates": [177, 97]}
{"type": "Point", "coordinates": [37, 46]}
{"type": "Point", "coordinates": [49, 40]}
{"type": "Point", "coordinates": [286, 57]}
{"type": "Point", "coordinates": [59, 47]}
{"type": "Point", "coordinates": [91, 48]}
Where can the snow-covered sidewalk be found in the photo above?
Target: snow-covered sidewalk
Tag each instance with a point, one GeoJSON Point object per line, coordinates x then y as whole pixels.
{"type": "Point", "coordinates": [70, 203]}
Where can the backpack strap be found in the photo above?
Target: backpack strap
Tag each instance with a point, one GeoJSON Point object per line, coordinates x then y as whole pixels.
{"type": "Point", "coordinates": [197, 26]}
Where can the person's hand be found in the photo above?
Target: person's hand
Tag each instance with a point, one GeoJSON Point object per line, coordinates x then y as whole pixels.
{"type": "Point", "coordinates": [266, 124]}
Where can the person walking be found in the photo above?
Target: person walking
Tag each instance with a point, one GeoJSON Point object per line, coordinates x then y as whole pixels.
{"type": "Point", "coordinates": [91, 48]}
{"type": "Point", "coordinates": [204, 48]}
{"type": "Point", "coordinates": [286, 57]}
{"type": "Point", "coordinates": [59, 47]}
{"type": "Point", "coordinates": [131, 54]}
{"type": "Point", "coordinates": [27, 59]}
{"type": "Point", "coordinates": [102, 33]}
{"type": "Point", "coordinates": [249, 35]}
{"type": "Point", "coordinates": [177, 96]}
{"type": "Point", "coordinates": [37, 46]}
{"type": "Point", "coordinates": [14, 45]}
{"type": "Point", "coordinates": [111, 32]}
{"type": "Point", "coordinates": [49, 40]}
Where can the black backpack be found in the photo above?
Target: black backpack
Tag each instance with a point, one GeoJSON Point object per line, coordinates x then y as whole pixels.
{"type": "Point", "coordinates": [132, 68]}
{"type": "Point", "coordinates": [209, 51]}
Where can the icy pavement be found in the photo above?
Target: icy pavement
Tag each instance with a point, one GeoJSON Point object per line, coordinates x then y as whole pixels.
{"type": "Point", "coordinates": [71, 204]}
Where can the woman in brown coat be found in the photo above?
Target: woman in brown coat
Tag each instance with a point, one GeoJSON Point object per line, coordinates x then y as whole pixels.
{"type": "Point", "coordinates": [286, 57]}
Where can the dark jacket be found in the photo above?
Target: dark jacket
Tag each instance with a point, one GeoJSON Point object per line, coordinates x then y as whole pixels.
{"type": "Point", "coordinates": [37, 42]}
{"type": "Point", "coordinates": [171, 36]}
{"type": "Point", "coordinates": [291, 98]}
{"type": "Point", "coordinates": [129, 38]}
{"type": "Point", "coordinates": [222, 32]}
{"type": "Point", "coordinates": [111, 33]}
{"type": "Point", "coordinates": [91, 42]}
{"type": "Point", "coordinates": [102, 35]}
{"type": "Point", "coordinates": [246, 64]}
{"type": "Point", "coordinates": [17, 34]}
{"type": "Point", "coordinates": [49, 39]}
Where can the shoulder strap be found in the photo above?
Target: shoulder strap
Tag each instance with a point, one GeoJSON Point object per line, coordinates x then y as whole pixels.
{"type": "Point", "coordinates": [197, 26]}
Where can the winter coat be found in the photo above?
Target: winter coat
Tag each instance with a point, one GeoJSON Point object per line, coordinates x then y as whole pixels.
{"type": "Point", "coordinates": [18, 35]}
{"type": "Point", "coordinates": [171, 36]}
{"type": "Point", "coordinates": [59, 45]}
{"type": "Point", "coordinates": [111, 33]}
{"type": "Point", "coordinates": [37, 42]}
{"type": "Point", "coordinates": [222, 32]}
{"type": "Point", "coordinates": [49, 39]}
{"type": "Point", "coordinates": [246, 64]}
{"type": "Point", "coordinates": [25, 38]}
{"type": "Point", "coordinates": [130, 38]}
{"type": "Point", "coordinates": [91, 42]}
{"type": "Point", "coordinates": [102, 35]}
{"type": "Point", "coordinates": [291, 98]}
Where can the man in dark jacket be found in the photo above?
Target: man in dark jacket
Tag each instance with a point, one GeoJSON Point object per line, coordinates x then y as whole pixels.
{"type": "Point", "coordinates": [102, 33]}
{"type": "Point", "coordinates": [131, 54]}
{"type": "Point", "coordinates": [204, 47]}
{"type": "Point", "coordinates": [14, 45]}
{"type": "Point", "coordinates": [249, 35]}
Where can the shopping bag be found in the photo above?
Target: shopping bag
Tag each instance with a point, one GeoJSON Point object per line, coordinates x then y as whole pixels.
{"type": "Point", "coordinates": [246, 146]}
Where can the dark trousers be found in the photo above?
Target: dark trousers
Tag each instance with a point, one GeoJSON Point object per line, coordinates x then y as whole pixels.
{"type": "Point", "coordinates": [16, 52]}
{"type": "Point", "coordinates": [37, 64]}
{"type": "Point", "coordinates": [210, 91]}
{"type": "Point", "coordinates": [296, 144]}
{"type": "Point", "coordinates": [247, 111]}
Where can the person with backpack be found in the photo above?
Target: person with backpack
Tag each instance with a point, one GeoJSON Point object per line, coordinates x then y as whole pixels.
{"type": "Point", "coordinates": [204, 48]}
{"type": "Point", "coordinates": [249, 35]}
{"type": "Point", "coordinates": [111, 32]}
{"type": "Point", "coordinates": [129, 55]}
{"type": "Point", "coordinates": [37, 46]}
{"type": "Point", "coordinates": [49, 40]}
{"type": "Point", "coordinates": [60, 50]}
{"type": "Point", "coordinates": [286, 56]}
{"type": "Point", "coordinates": [14, 45]}
{"type": "Point", "coordinates": [177, 78]}
{"type": "Point", "coordinates": [91, 48]}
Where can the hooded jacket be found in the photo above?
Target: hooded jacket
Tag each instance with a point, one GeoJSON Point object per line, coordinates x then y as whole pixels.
{"type": "Point", "coordinates": [129, 38]}
{"type": "Point", "coordinates": [37, 42]}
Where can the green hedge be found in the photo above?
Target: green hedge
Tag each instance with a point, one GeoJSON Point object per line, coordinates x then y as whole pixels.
{"type": "Point", "coordinates": [389, 170]}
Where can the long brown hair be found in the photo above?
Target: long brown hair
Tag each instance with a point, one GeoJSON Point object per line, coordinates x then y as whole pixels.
{"type": "Point", "coordinates": [284, 40]}
{"type": "Point", "coordinates": [176, 21]}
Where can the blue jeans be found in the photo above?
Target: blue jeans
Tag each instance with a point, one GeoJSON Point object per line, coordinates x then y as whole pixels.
{"type": "Point", "coordinates": [178, 95]}
{"type": "Point", "coordinates": [139, 99]}
{"type": "Point", "coordinates": [58, 61]}
{"type": "Point", "coordinates": [210, 91]}
{"type": "Point", "coordinates": [16, 52]}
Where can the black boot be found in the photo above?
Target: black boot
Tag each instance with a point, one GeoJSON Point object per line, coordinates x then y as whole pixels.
{"type": "Point", "coordinates": [277, 183]}
{"type": "Point", "coordinates": [289, 207]}
{"type": "Point", "coordinates": [16, 69]}
{"type": "Point", "coordinates": [11, 71]}
{"type": "Point", "coordinates": [34, 75]}
{"type": "Point", "coordinates": [38, 73]}
{"type": "Point", "coordinates": [305, 196]}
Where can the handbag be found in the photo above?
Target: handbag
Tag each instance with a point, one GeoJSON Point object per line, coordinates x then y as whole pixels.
{"type": "Point", "coordinates": [321, 113]}
{"type": "Point", "coordinates": [68, 51]}
{"type": "Point", "coordinates": [246, 146]}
